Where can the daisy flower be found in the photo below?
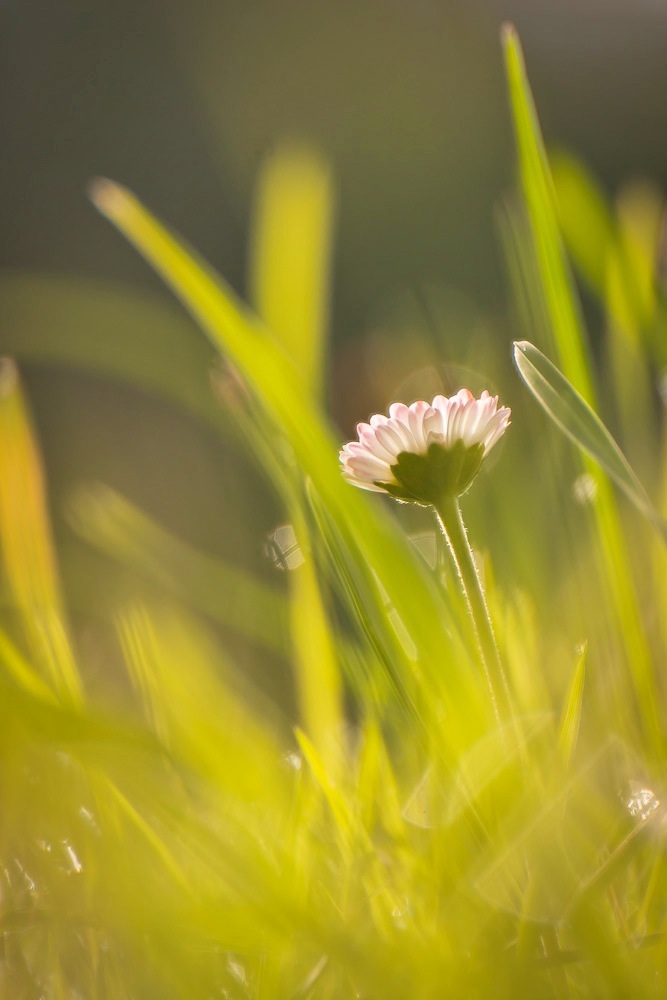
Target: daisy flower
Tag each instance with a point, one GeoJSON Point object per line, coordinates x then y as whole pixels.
{"type": "Point", "coordinates": [424, 452]}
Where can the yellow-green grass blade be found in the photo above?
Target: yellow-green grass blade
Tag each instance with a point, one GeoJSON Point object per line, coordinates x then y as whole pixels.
{"type": "Point", "coordinates": [346, 825]}
{"type": "Point", "coordinates": [289, 280]}
{"type": "Point", "coordinates": [607, 246]}
{"type": "Point", "coordinates": [568, 730]}
{"type": "Point", "coordinates": [110, 330]}
{"type": "Point", "coordinates": [586, 221]}
{"type": "Point", "coordinates": [639, 212]}
{"type": "Point", "coordinates": [225, 593]}
{"type": "Point", "coordinates": [28, 555]}
{"type": "Point", "coordinates": [317, 675]}
{"type": "Point", "coordinates": [568, 343]}
{"type": "Point", "coordinates": [631, 302]}
{"type": "Point", "coordinates": [537, 184]}
{"type": "Point", "coordinates": [285, 397]}
{"type": "Point", "coordinates": [188, 694]}
{"type": "Point", "coordinates": [22, 672]}
{"type": "Point", "coordinates": [290, 255]}
{"type": "Point", "coordinates": [615, 256]}
{"type": "Point", "coordinates": [575, 418]}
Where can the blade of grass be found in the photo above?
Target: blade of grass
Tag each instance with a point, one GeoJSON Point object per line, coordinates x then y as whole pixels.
{"type": "Point", "coordinates": [290, 255]}
{"type": "Point", "coordinates": [317, 675]}
{"type": "Point", "coordinates": [187, 690]}
{"type": "Point", "coordinates": [27, 547]}
{"type": "Point", "coordinates": [109, 330]}
{"type": "Point", "coordinates": [224, 592]}
{"type": "Point", "coordinates": [569, 343]}
{"type": "Point", "coordinates": [575, 418]}
{"type": "Point", "coordinates": [568, 730]}
{"type": "Point", "coordinates": [562, 305]}
{"type": "Point", "coordinates": [289, 277]}
{"type": "Point", "coordinates": [585, 219]}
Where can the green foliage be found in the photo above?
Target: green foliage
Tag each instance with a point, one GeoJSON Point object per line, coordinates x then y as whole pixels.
{"type": "Point", "coordinates": [187, 840]}
{"type": "Point", "coordinates": [578, 421]}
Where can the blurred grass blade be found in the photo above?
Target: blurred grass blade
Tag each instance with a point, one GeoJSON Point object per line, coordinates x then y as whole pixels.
{"type": "Point", "coordinates": [188, 694]}
{"type": "Point", "coordinates": [14, 665]}
{"type": "Point", "coordinates": [317, 676]}
{"type": "Point", "coordinates": [110, 330]}
{"type": "Point", "coordinates": [568, 730]}
{"type": "Point", "coordinates": [615, 255]}
{"type": "Point", "coordinates": [290, 255]}
{"type": "Point", "coordinates": [558, 287]}
{"type": "Point", "coordinates": [639, 209]}
{"type": "Point", "coordinates": [129, 812]}
{"type": "Point", "coordinates": [289, 277]}
{"type": "Point", "coordinates": [487, 763]}
{"type": "Point", "coordinates": [585, 219]}
{"type": "Point", "coordinates": [26, 537]}
{"type": "Point", "coordinates": [224, 592]}
{"type": "Point", "coordinates": [576, 419]}
{"type": "Point", "coordinates": [343, 815]}
{"type": "Point", "coordinates": [282, 390]}
{"type": "Point", "coordinates": [27, 547]}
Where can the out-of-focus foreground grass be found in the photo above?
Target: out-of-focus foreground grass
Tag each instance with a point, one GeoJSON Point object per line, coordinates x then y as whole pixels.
{"type": "Point", "coordinates": [186, 840]}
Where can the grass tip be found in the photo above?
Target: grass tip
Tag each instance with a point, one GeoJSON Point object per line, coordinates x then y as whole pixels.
{"type": "Point", "coordinates": [107, 196]}
{"type": "Point", "coordinates": [88, 505]}
{"type": "Point", "coordinates": [508, 33]}
{"type": "Point", "coordinates": [9, 375]}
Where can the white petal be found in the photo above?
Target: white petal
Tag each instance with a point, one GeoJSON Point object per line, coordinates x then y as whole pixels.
{"type": "Point", "coordinates": [399, 411]}
{"type": "Point", "coordinates": [369, 467]}
{"type": "Point", "coordinates": [416, 415]}
{"type": "Point", "coordinates": [374, 444]}
{"type": "Point", "coordinates": [434, 426]}
{"type": "Point", "coordinates": [362, 484]}
{"type": "Point", "coordinates": [394, 438]}
{"type": "Point", "coordinates": [378, 420]}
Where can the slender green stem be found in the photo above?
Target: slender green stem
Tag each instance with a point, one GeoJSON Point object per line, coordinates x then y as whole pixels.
{"type": "Point", "coordinates": [449, 515]}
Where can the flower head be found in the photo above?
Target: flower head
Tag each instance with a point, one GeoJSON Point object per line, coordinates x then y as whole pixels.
{"type": "Point", "coordinates": [424, 452]}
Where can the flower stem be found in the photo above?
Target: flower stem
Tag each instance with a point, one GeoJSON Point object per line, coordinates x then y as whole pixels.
{"type": "Point", "coordinates": [451, 522]}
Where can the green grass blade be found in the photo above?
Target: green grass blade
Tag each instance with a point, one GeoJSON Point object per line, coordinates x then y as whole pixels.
{"type": "Point", "coordinates": [316, 671]}
{"type": "Point", "coordinates": [110, 330]}
{"type": "Point", "coordinates": [290, 255]}
{"type": "Point", "coordinates": [537, 184]}
{"type": "Point", "coordinates": [575, 418]}
{"type": "Point", "coordinates": [28, 554]}
{"type": "Point", "coordinates": [289, 278]}
{"type": "Point", "coordinates": [568, 730]}
{"type": "Point", "coordinates": [225, 593]}
{"type": "Point", "coordinates": [615, 256]}
{"type": "Point", "coordinates": [585, 219]}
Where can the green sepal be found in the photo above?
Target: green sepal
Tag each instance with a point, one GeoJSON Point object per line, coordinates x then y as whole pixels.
{"type": "Point", "coordinates": [441, 472]}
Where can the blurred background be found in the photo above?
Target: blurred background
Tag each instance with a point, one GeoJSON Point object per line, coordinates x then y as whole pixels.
{"type": "Point", "coordinates": [183, 103]}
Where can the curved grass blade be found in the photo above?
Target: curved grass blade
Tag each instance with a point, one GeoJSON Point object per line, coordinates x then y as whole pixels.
{"type": "Point", "coordinates": [290, 278]}
{"type": "Point", "coordinates": [291, 254]}
{"type": "Point", "coordinates": [572, 414]}
{"type": "Point", "coordinates": [224, 592]}
{"type": "Point", "coordinates": [28, 554]}
{"type": "Point", "coordinates": [562, 306]}
{"type": "Point", "coordinates": [111, 330]}
{"type": "Point", "coordinates": [570, 720]}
